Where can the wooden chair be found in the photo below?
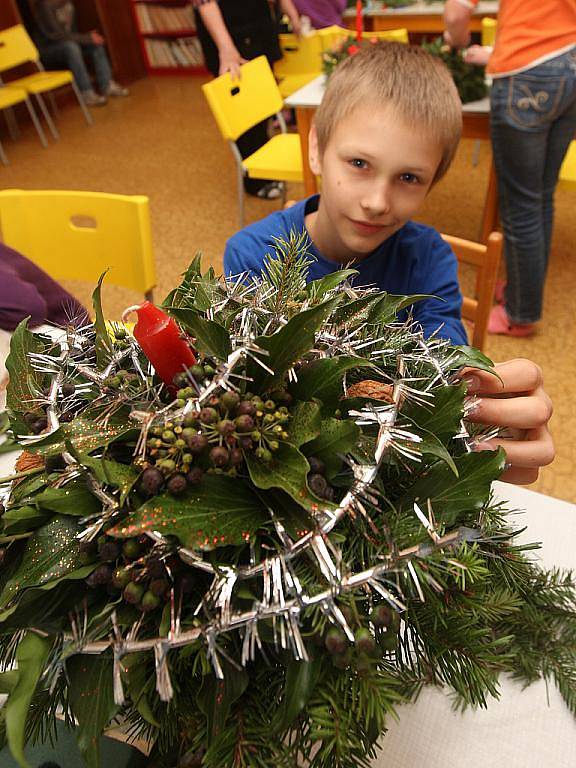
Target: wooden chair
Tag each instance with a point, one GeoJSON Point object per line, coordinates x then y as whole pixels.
{"type": "Point", "coordinates": [486, 260]}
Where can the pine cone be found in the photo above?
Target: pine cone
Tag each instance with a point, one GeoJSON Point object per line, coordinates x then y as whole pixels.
{"type": "Point", "coordinates": [373, 390]}
{"type": "Point", "coordinates": [27, 461]}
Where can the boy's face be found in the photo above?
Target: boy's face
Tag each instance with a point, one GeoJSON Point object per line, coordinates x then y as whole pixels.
{"type": "Point", "coordinates": [376, 171]}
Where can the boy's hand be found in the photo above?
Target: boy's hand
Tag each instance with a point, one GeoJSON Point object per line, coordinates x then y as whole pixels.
{"type": "Point", "coordinates": [478, 55]}
{"type": "Point", "coordinates": [96, 37]}
{"type": "Point", "coordinates": [518, 404]}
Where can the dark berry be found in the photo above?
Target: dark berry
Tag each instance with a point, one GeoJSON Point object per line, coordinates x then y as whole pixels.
{"type": "Point", "coordinates": [149, 601]}
{"type": "Point", "coordinates": [342, 660]}
{"type": "Point", "coordinates": [381, 616]}
{"type": "Point", "coordinates": [317, 484]}
{"type": "Point", "coordinates": [55, 463]}
{"type": "Point", "coordinates": [159, 587]}
{"type": "Point", "coordinates": [121, 578]}
{"type": "Point", "coordinates": [209, 416]}
{"type": "Point", "coordinates": [30, 417]}
{"type": "Point", "coordinates": [197, 444]}
{"type": "Point", "coordinates": [180, 380]}
{"type": "Point", "coordinates": [3, 553]}
{"type": "Point", "coordinates": [133, 592]}
{"type": "Point", "coordinates": [317, 466]}
{"type": "Point", "coordinates": [194, 476]}
{"type": "Point", "coordinates": [236, 457]}
{"type": "Point", "coordinates": [225, 427]}
{"type": "Point", "coordinates": [131, 549]}
{"type": "Point", "coordinates": [191, 760]}
{"type": "Point", "coordinates": [244, 423]}
{"type": "Point", "coordinates": [230, 400]}
{"type": "Point", "coordinates": [151, 481]}
{"type": "Point", "coordinates": [246, 443]}
{"type": "Point", "coordinates": [246, 408]}
{"type": "Point", "coordinates": [39, 425]}
{"type": "Point", "coordinates": [364, 640]}
{"type": "Point", "coordinates": [101, 576]}
{"type": "Point", "coordinates": [68, 389]}
{"type": "Point", "coordinates": [109, 551]}
{"type": "Point", "coordinates": [176, 485]}
{"type": "Point", "coordinates": [335, 641]}
{"type": "Point", "coordinates": [219, 456]}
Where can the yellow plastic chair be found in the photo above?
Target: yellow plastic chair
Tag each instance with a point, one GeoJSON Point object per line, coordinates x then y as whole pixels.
{"type": "Point", "coordinates": [17, 48]}
{"type": "Point", "coordinates": [301, 61]}
{"type": "Point", "coordinates": [238, 105]}
{"type": "Point", "coordinates": [78, 235]}
{"type": "Point", "coordinates": [567, 178]}
{"type": "Point", "coordinates": [9, 97]}
{"type": "Point", "coordinates": [488, 34]}
{"type": "Point", "coordinates": [333, 36]}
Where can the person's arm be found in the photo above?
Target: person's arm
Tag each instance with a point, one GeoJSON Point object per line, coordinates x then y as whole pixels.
{"type": "Point", "coordinates": [288, 7]}
{"type": "Point", "coordinates": [230, 59]}
{"type": "Point", "coordinates": [457, 15]}
{"type": "Point", "coordinates": [516, 401]}
{"type": "Point", "coordinates": [51, 29]}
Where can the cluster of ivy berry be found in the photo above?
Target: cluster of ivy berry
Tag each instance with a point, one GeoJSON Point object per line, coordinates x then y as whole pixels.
{"type": "Point", "coordinates": [131, 570]}
{"type": "Point", "coordinates": [370, 643]}
{"type": "Point", "coordinates": [214, 438]}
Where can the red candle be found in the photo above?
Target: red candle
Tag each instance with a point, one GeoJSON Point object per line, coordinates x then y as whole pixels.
{"type": "Point", "coordinates": [162, 342]}
{"type": "Point", "coordinates": [359, 21]}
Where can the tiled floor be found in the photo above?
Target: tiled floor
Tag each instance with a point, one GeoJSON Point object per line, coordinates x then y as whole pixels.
{"type": "Point", "coordinates": [163, 142]}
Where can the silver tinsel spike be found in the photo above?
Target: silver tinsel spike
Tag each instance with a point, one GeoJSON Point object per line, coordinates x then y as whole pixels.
{"type": "Point", "coordinates": [163, 682]}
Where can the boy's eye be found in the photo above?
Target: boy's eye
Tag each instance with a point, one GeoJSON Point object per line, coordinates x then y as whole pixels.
{"type": "Point", "coordinates": [409, 178]}
{"type": "Point", "coordinates": [357, 163]}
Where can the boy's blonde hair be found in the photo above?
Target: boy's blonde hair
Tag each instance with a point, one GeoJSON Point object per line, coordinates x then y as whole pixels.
{"type": "Point", "coordinates": [416, 84]}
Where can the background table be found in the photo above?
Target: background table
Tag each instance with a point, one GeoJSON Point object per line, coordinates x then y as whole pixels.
{"type": "Point", "coordinates": [476, 125]}
{"type": "Point", "coordinates": [419, 18]}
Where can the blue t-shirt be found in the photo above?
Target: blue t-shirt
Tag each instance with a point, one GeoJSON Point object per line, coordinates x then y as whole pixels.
{"type": "Point", "coordinates": [413, 260]}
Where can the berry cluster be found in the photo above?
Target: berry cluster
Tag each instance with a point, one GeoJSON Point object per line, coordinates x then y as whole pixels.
{"type": "Point", "coordinates": [317, 481]}
{"type": "Point", "coordinates": [370, 642]}
{"type": "Point", "coordinates": [213, 439]}
{"type": "Point", "coordinates": [132, 569]}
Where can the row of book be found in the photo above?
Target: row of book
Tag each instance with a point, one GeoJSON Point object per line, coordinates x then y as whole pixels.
{"type": "Point", "coordinates": [182, 52]}
{"type": "Point", "coordinates": [157, 18]}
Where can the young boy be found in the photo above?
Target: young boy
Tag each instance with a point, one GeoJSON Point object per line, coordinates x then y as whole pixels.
{"type": "Point", "coordinates": [385, 133]}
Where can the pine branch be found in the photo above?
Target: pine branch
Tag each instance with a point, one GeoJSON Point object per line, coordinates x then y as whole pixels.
{"type": "Point", "coordinates": [287, 270]}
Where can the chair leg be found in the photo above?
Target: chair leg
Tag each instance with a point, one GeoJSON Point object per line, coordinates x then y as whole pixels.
{"type": "Point", "coordinates": [3, 157]}
{"type": "Point", "coordinates": [37, 125]}
{"type": "Point", "coordinates": [47, 117]}
{"type": "Point", "coordinates": [476, 153]}
{"type": "Point", "coordinates": [53, 105]}
{"type": "Point", "coordinates": [11, 123]}
{"type": "Point", "coordinates": [82, 103]}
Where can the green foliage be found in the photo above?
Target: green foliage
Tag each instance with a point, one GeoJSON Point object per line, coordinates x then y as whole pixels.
{"type": "Point", "coordinates": [25, 382]}
{"type": "Point", "coordinates": [469, 79]}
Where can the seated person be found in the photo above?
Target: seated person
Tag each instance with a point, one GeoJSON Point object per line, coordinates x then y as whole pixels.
{"type": "Point", "coordinates": [27, 291]}
{"type": "Point", "coordinates": [385, 134]}
{"type": "Point", "coordinates": [61, 46]}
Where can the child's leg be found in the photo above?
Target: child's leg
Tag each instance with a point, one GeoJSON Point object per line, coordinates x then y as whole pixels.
{"type": "Point", "coordinates": [68, 55]}
{"type": "Point", "coordinates": [102, 68]}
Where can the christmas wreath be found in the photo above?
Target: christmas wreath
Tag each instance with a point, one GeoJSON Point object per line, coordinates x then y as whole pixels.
{"type": "Point", "coordinates": [468, 78]}
{"type": "Point", "coordinates": [250, 552]}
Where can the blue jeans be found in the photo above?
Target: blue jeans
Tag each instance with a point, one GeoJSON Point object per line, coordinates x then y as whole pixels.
{"type": "Point", "coordinates": [70, 55]}
{"type": "Point", "coordinates": [533, 120]}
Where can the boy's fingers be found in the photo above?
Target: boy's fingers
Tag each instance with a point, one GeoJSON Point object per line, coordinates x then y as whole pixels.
{"type": "Point", "coordinates": [524, 412]}
{"type": "Point", "coordinates": [513, 376]}
{"type": "Point", "coordinates": [536, 450]}
{"type": "Point", "coordinates": [520, 476]}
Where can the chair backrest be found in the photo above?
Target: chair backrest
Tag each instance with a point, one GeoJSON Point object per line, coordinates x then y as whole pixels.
{"type": "Point", "coordinates": [300, 55]}
{"type": "Point", "coordinates": [486, 259]}
{"type": "Point", "coordinates": [394, 35]}
{"type": "Point", "coordinates": [567, 179]}
{"type": "Point", "coordinates": [333, 36]}
{"type": "Point", "coordinates": [16, 47]}
{"type": "Point", "coordinates": [489, 31]}
{"type": "Point", "coordinates": [78, 235]}
{"type": "Point", "coordinates": [238, 105]}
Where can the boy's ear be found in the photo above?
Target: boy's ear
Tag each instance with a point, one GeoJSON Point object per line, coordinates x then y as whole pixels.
{"type": "Point", "coordinates": [314, 158]}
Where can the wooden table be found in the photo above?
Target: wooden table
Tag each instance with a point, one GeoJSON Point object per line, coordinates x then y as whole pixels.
{"type": "Point", "coordinates": [476, 125]}
{"type": "Point", "coordinates": [421, 18]}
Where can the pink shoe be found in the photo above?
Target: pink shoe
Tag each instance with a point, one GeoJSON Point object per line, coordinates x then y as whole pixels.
{"type": "Point", "coordinates": [499, 291]}
{"type": "Point", "coordinates": [499, 322]}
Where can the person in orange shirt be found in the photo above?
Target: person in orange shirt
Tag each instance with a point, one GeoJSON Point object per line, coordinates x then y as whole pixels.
{"type": "Point", "coordinates": [533, 121]}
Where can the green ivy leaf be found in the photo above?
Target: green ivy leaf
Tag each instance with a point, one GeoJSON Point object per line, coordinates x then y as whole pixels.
{"type": "Point", "coordinates": [451, 497]}
{"type": "Point", "coordinates": [23, 519]}
{"type": "Point", "coordinates": [31, 657]}
{"type": "Point", "coordinates": [442, 413]}
{"type": "Point", "coordinates": [183, 295]}
{"type": "Point", "coordinates": [305, 424]}
{"type": "Point", "coordinates": [211, 337]}
{"type": "Point", "coordinates": [374, 308]}
{"type": "Point", "coordinates": [217, 696]}
{"type": "Point", "coordinates": [465, 356]}
{"type": "Point", "coordinates": [51, 553]}
{"type": "Point", "coordinates": [220, 511]}
{"type": "Point", "coordinates": [318, 288]}
{"type": "Point", "coordinates": [74, 499]}
{"type": "Point", "coordinates": [24, 382]}
{"type": "Point", "coordinates": [103, 343]}
{"type": "Point", "coordinates": [336, 438]}
{"type": "Point", "coordinates": [122, 476]}
{"type": "Point", "coordinates": [300, 682]}
{"type": "Point", "coordinates": [85, 435]}
{"type": "Point", "coordinates": [322, 379]}
{"type": "Point", "coordinates": [92, 701]}
{"type": "Point", "coordinates": [139, 683]}
{"type": "Point", "coordinates": [288, 344]}
{"type": "Point", "coordinates": [288, 471]}
{"type": "Point", "coordinates": [433, 446]}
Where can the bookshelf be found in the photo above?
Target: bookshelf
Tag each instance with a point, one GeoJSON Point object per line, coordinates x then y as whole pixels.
{"type": "Point", "coordinates": [168, 36]}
